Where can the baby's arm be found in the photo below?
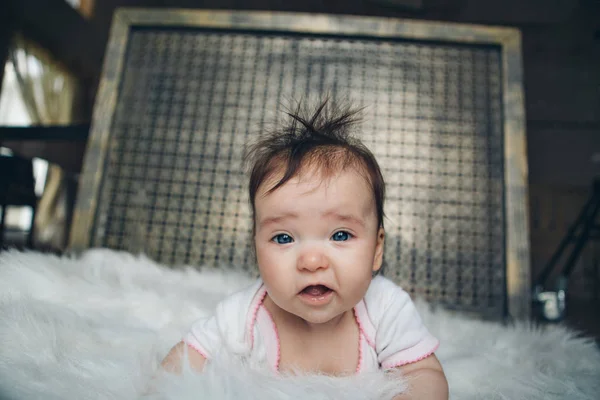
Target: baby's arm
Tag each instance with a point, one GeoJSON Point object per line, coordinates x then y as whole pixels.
{"type": "Point", "coordinates": [173, 361]}
{"type": "Point", "coordinates": [401, 337]}
{"type": "Point", "coordinates": [426, 380]}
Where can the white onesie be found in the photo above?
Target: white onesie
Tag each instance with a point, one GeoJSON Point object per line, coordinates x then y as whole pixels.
{"type": "Point", "coordinates": [391, 331]}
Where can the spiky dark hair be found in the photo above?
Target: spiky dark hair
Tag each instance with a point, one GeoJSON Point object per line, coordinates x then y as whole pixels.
{"type": "Point", "coordinates": [322, 139]}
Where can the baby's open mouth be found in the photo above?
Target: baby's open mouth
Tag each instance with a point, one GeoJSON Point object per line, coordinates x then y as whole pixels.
{"type": "Point", "coordinates": [316, 290]}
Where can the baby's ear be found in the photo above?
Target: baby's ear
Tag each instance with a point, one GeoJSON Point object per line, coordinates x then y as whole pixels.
{"type": "Point", "coordinates": [378, 258]}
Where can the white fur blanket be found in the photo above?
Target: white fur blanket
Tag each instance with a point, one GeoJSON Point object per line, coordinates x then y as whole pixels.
{"type": "Point", "coordinates": [97, 326]}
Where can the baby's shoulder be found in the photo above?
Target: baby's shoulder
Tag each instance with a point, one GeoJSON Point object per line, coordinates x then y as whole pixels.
{"type": "Point", "coordinates": [226, 326]}
{"type": "Point", "coordinates": [239, 303]}
{"type": "Point", "coordinates": [383, 296]}
{"type": "Point", "coordinates": [397, 332]}
{"type": "Point", "coordinates": [384, 290]}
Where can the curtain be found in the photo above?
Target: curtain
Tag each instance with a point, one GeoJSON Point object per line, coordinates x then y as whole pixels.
{"type": "Point", "coordinates": [48, 92]}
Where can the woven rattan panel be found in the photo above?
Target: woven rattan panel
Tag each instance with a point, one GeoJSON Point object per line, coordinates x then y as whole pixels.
{"type": "Point", "coordinates": [189, 99]}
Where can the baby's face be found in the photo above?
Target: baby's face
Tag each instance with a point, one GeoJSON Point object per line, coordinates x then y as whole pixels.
{"type": "Point", "coordinates": [317, 243]}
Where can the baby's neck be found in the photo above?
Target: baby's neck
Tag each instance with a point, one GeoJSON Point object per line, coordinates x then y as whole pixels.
{"type": "Point", "coordinates": [281, 316]}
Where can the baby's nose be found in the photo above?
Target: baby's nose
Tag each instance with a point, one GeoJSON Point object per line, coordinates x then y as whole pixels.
{"type": "Point", "coordinates": [312, 260]}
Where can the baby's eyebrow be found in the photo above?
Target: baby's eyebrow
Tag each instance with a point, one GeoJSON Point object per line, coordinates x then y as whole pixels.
{"type": "Point", "coordinates": [277, 218]}
{"type": "Point", "coordinates": [344, 217]}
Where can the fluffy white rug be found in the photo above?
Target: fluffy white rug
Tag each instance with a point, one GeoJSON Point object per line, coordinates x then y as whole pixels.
{"type": "Point", "coordinates": [97, 326]}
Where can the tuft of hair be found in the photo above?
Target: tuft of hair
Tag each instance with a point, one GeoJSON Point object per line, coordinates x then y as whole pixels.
{"type": "Point", "coordinates": [321, 138]}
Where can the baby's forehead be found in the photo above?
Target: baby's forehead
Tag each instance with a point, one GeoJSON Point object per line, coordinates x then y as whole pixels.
{"type": "Point", "coordinates": [346, 191]}
{"type": "Point", "coordinates": [312, 175]}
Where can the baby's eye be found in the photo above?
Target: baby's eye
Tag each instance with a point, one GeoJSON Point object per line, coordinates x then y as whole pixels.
{"type": "Point", "coordinates": [341, 236]}
{"type": "Point", "coordinates": [282, 238]}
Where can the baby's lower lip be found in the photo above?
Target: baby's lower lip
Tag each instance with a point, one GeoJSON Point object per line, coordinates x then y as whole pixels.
{"type": "Point", "coordinates": [318, 300]}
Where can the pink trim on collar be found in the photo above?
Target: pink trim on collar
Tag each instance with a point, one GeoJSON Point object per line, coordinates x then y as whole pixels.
{"type": "Point", "coordinates": [364, 322]}
{"type": "Point", "coordinates": [254, 306]}
{"type": "Point", "coordinates": [360, 349]}
{"type": "Point", "coordinates": [276, 363]}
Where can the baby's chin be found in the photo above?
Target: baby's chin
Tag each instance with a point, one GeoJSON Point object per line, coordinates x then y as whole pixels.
{"type": "Point", "coordinates": [318, 317]}
{"type": "Point", "coordinates": [314, 316]}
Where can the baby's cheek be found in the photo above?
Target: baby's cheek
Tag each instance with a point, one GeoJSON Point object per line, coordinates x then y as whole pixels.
{"type": "Point", "coordinates": [270, 264]}
{"type": "Point", "coordinates": [359, 275]}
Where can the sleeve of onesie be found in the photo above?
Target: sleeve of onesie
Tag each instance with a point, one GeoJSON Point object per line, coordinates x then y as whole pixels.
{"type": "Point", "coordinates": [401, 337]}
{"type": "Point", "coordinates": [204, 337]}
{"type": "Point", "coordinates": [226, 328]}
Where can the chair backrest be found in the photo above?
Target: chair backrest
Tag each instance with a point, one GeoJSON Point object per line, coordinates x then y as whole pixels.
{"type": "Point", "coordinates": [183, 92]}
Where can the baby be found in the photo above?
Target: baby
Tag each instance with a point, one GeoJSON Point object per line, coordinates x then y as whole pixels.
{"type": "Point", "coordinates": [317, 198]}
